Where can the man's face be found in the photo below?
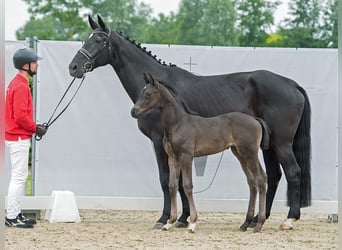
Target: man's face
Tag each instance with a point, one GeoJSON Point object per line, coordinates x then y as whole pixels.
{"type": "Point", "coordinates": [34, 67]}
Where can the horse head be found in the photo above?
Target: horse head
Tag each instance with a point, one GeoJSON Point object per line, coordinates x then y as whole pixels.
{"type": "Point", "coordinates": [95, 52]}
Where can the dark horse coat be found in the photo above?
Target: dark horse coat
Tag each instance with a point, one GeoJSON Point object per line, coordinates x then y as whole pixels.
{"type": "Point", "coordinates": [279, 101]}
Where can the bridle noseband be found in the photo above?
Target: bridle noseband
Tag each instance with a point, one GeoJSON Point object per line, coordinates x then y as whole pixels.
{"type": "Point", "coordinates": [88, 65]}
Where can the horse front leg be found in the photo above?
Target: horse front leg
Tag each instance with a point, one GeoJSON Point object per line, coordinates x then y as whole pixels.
{"type": "Point", "coordinates": [182, 220]}
{"type": "Point", "coordinates": [164, 172]}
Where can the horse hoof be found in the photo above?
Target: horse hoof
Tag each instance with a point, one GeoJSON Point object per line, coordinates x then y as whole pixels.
{"type": "Point", "coordinates": [287, 225]}
{"type": "Point", "coordinates": [180, 224]}
{"type": "Point", "coordinates": [158, 225]}
{"type": "Point", "coordinates": [252, 224]}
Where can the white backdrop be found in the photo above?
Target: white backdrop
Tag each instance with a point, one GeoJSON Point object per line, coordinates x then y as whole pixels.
{"type": "Point", "coordinates": [96, 149]}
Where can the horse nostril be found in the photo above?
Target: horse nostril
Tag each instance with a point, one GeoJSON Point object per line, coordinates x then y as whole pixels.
{"type": "Point", "coordinates": [73, 67]}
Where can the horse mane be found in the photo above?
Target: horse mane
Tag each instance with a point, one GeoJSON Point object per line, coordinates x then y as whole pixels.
{"type": "Point", "coordinates": [143, 49]}
{"type": "Point", "coordinates": [172, 91]}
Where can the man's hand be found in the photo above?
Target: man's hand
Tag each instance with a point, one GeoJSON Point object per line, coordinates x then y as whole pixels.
{"type": "Point", "coordinates": [41, 130]}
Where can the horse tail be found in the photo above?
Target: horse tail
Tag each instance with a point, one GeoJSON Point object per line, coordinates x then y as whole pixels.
{"type": "Point", "coordinates": [266, 132]}
{"type": "Point", "coordinates": [302, 151]}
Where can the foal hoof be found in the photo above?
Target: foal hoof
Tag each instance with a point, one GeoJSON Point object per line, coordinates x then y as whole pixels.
{"type": "Point", "coordinates": [244, 226]}
{"type": "Point", "coordinates": [158, 225]}
{"type": "Point", "coordinates": [191, 228]}
{"type": "Point", "coordinates": [287, 225]}
{"type": "Point", "coordinates": [257, 229]}
{"type": "Point", "coordinates": [180, 224]}
{"type": "Point", "coordinates": [166, 227]}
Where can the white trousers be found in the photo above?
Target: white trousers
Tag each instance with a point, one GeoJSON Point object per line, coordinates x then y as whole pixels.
{"type": "Point", "coordinates": [19, 153]}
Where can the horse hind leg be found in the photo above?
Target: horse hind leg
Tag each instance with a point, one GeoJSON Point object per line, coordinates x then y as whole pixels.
{"type": "Point", "coordinates": [293, 176]}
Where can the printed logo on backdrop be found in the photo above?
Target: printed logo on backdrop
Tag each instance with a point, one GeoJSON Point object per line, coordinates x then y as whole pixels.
{"type": "Point", "coordinates": [200, 164]}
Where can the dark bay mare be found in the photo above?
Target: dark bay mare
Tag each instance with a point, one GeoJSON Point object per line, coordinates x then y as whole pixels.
{"type": "Point", "coordinates": [187, 136]}
{"type": "Point", "coordinates": [279, 101]}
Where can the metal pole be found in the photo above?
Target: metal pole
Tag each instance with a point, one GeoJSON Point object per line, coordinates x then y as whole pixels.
{"type": "Point", "coordinates": [340, 117]}
{"type": "Point", "coordinates": [34, 43]}
{"type": "Point", "coordinates": [2, 125]}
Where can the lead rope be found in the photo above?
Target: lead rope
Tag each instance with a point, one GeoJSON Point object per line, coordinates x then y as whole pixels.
{"type": "Point", "coordinates": [212, 180]}
{"type": "Point", "coordinates": [51, 121]}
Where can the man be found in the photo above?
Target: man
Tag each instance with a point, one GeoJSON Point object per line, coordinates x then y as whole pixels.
{"type": "Point", "coordinates": [19, 128]}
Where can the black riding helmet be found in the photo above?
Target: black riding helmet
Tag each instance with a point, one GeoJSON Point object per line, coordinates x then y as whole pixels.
{"type": "Point", "coordinates": [24, 56]}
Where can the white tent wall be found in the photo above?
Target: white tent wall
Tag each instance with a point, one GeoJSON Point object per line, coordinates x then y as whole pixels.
{"type": "Point", "coordinates": [96, 149]}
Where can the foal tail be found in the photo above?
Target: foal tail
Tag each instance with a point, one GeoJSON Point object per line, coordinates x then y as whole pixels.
{"type": "Point", "coordinates": [302, 151]}
{"type": "Point", "coordinates": [266, 132]}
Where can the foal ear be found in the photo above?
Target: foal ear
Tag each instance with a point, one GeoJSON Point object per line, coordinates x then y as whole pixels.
{"type": "Point", "coordinates": [101, 22]}
{"type": "Point", "coordinates": [92, 23]}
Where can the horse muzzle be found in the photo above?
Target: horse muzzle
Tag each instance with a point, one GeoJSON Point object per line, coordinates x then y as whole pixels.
{"type": "Point", "coordinates": [135, 113]}
{"type": "Point", "coordinates": [75, 70]}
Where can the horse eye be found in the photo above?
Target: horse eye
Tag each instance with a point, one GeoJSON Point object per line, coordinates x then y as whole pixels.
{"type": "Point", "coordinates": [98, 39]}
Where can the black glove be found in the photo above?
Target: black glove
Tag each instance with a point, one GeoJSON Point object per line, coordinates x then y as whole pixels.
{"type": "Point", "coordinates": [41, 130]}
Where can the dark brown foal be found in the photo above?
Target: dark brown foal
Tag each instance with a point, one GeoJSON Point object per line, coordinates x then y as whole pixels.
{"type": "Point", "coordinates": [187, 136]}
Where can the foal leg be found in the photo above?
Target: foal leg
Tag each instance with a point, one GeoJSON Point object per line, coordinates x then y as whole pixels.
{"type": "Point", "coordinates": [173, 187]}
{"type": "Point", "coordinates": [251, 205]}
{"type": "Point", "coordinates": [262, 187]}
{"type": "Point", "coordinates": [273, 177]}
{"type": "Point", "coordinates": [246, 167]}
{"type": "Point", "coordinates": [186, 162]}
{"type": "Point", "coordinates": [164, 173]}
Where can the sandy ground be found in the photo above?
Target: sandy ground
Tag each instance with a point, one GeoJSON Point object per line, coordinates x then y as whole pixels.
{"type": "Point", "coordinates": [133, 230]}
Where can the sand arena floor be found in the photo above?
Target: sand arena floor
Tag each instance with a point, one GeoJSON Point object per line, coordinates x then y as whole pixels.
{"type": "Point", "coordinates": [109, 229]}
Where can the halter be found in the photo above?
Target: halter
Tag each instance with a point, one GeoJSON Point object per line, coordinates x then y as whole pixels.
{"type": "Point", "coordinates": [88, 66]}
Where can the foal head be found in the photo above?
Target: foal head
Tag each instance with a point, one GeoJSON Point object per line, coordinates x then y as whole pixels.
{"type": "Point", "coordinates": [149, 97]}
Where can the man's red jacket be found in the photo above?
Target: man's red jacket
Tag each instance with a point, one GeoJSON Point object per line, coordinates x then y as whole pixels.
{"type": "Point", "coordinates": [19, 110]}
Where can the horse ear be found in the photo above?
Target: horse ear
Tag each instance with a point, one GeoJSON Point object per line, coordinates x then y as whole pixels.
{"type": "Point", "coordinates": [92, 23]}
{"type": "Point", "coordinates": [101, 22]}
{"type": "Point", "coordinates": [151, 79]}
{"type": "Point", "coordinates": [148, 78]}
